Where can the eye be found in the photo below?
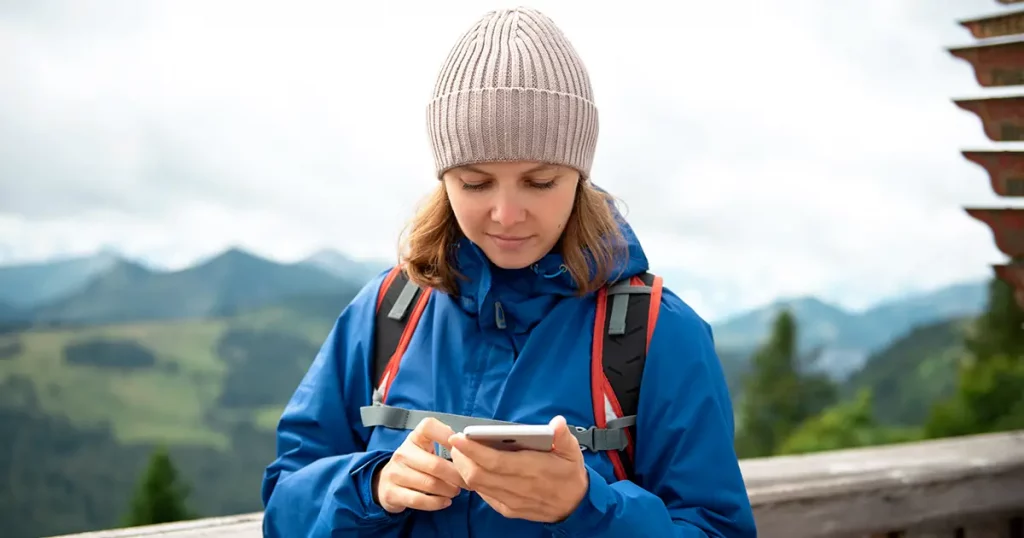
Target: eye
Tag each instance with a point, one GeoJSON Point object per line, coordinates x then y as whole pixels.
{"type": "Point", "coordinates": [474, 186]}
{"type": "Point", "coordinates": [541, 184]}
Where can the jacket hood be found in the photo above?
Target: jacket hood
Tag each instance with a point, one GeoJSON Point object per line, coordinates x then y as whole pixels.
{"type": "Point", "coordinates": [519, 298]}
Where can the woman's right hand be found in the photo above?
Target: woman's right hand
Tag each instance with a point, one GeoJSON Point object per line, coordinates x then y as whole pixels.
{"type": "Point", "coordinates": [416, 477]}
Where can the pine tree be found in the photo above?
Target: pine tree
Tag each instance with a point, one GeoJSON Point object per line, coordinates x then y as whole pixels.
{"type": "Point", "coordinates": [1000, 329]}
{"type": "Point", "coordinates": [990, 386]}
{"type": "Point", "coordinates": [160, 496]}
{"type": "Point", "coordinates": [777, 396]}
{"type": "Point", "coordinates": [845, 425]}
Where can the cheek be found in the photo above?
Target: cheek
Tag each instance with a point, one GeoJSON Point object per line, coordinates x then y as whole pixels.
{"type": "Point", "coordinates": [467, 213]}
{"type": "Point", "coordinates": [563, 210]}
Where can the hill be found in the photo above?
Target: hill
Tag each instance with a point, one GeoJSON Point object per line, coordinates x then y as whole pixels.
{"type": "Point", "coordinates": [822, 324]}
{"type": "Point", "coordinates": [73, 479]}
{"type": "Point", "coordinates": [233, 281]}
{"type": "Point", "coordinates": [896, 317]}
{"type": "Point", "coordinates": [819, 323]}
{"type": "Point", "coordinates": [167, 380]}
{"type": "Point", "coordinates": [9, 313]}
{"type": "Point", "coordinates": [24, 286]}
{"type": "Point", "coordinates": [80, 408]}
{"type": "Point", "coordinates": [843, 340]}
{"type": "Point", "coordinates": [340, 265]}
{"type": "Point", "coordinates": [909, 376]}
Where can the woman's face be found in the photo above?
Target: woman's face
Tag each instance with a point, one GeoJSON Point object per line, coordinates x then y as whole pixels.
{"type": "Point", "coordinates": [514, 211]}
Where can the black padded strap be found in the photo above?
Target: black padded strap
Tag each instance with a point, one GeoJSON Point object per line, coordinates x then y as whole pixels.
{"type": "Point", "coordinates": [625, 347]}
{"type": "Point", "coordinates": [392, 316]}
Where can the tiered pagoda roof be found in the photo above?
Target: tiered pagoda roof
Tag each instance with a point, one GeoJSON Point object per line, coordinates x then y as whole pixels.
{"type": "Point", "coordinates": [997, 59]}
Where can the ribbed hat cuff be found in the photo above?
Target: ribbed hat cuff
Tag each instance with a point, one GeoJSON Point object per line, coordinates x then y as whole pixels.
{"type": "Point", "coordinates": [512, 124]}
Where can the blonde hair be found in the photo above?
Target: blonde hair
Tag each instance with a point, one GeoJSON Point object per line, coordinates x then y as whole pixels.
{"type": "Point", "coordinates": [591, 235]}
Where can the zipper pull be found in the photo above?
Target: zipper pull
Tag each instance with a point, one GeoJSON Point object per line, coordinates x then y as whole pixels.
{"type": "Point", "coordinates": [499, 315]}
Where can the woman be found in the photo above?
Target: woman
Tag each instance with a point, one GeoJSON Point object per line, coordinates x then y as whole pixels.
{"type": "Point", "coordinates": [515, 246]}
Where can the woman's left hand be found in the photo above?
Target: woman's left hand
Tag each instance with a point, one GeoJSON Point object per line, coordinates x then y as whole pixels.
{"type": "Point", "coordinates": [527, 484]}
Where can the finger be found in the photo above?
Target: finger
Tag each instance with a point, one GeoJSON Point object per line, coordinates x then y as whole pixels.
{"type": "Point", "coordinates": [433, 465]}
{"type": "Point", "coordinates": [479, 479]}
{"type": "Point", "coordinates": [566, 444]}
{"type": "Point", "coordinates": [416, 480]}
{"type": "Point", "coordinates": [430, 431]}
{"type": "Point", "coordinates": [498, 506]}
{"type": "Point", "coordinates": [513, 506]}
{"type": "Point", "coordinates": [472, 474]}
{"type": "Point", "coordinates": [399, 496]}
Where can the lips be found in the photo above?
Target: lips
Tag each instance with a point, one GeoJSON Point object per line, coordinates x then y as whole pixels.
{"type": "Point", "coordinates": [508, 241]}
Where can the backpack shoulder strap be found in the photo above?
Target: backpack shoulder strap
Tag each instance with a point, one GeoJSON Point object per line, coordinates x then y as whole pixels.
{"type": "Point", "coordinates": [626, 315]}
{"type": "Point", "coordinates": [400, 303]}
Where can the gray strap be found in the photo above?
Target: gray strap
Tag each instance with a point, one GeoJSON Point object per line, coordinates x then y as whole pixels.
{"type": "Point", "coordinates": [594, 439]}
{"type": "Point", "coordinates": [617, 318]}
{"type": "Point", "coordinates": [612, 437]}
{"type": "Point", "coordinates": [620, 292]}
{"type": "Point", "coordinates": [626, 288]}
{"type": "Point", "coordinates": [405, 298]}
{"type": "Point", "coordinates": [406, 419]}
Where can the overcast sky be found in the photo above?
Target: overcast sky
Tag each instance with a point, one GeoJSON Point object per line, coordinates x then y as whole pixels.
{"type": "Point", "coordinates": [763, 149]}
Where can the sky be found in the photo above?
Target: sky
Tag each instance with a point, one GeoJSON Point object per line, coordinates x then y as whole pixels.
{"type": "Point", "coordinates": [761, 149]}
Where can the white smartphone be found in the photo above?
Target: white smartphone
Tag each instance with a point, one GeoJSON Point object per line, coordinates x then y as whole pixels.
{"type": "Point", "coordinates": [513, 436]}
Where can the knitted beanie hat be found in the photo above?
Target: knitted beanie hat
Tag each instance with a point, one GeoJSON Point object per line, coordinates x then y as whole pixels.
{"type": "Point", "coordinates": [513, 88]}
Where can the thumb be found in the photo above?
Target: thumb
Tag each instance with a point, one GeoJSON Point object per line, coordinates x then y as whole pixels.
{"type": "Point", "coordinates": [565, 442]}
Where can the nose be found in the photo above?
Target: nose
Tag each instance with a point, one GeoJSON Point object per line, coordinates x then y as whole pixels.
{"type": "Point", "coordinates": [508, 210]}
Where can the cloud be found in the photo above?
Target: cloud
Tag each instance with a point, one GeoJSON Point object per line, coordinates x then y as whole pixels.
{"type": "Point", "coordinates": [793, 148]}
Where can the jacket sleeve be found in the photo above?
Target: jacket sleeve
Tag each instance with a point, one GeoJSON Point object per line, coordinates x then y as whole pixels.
{"type": "Point", "coordinates": [320, 483]}
{"type": "Point", "coordinates": [689, 472]}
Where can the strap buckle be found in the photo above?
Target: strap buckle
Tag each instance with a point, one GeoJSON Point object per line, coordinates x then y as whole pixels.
{"type": "Point", "coordinates": [600, 439]}
{"type": "Point", "coordinates": [586, 437]}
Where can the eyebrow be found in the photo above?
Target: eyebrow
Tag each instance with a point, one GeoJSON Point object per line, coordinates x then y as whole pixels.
{"type": "Point", "coordinates": [535, 169]}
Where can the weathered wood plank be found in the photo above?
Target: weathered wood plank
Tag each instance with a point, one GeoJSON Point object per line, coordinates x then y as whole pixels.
{"type": "Point", "coordinates": [860, 492]}
{"type": "Point", "coordinates": [237, 526]}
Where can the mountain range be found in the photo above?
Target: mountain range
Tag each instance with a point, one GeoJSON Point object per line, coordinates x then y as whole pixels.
{"type": "Point", "coordinates": [842, 340]}
{"type": "Point", "coordinates": [109, 289]}
{"type": "Point", "coordinates": [105, 288]}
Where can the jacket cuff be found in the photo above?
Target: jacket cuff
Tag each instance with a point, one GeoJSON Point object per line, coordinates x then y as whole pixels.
{"type": "Point", "coordinates": [362, 476]}
{"type": "Point", "coordinates": [592, 510]}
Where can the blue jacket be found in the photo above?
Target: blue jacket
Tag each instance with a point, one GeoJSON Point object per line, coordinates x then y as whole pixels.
{"type": "Point", "coordinates": [537, 366]}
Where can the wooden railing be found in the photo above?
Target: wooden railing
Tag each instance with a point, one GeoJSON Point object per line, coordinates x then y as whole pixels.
{"type": "Point", "coordinates": [968, 487]}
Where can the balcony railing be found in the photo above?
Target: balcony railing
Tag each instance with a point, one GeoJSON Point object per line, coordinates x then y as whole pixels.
{"type": "Point", "coordinates": [967, 487]}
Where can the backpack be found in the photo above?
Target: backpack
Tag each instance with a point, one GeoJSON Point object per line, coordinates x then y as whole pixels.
{"type": "Point", "coordinates": [622, 335]}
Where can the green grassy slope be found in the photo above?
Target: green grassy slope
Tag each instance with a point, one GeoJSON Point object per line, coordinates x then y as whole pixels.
{"type": "Point", "coordinates": [164, 402]}
{"type": "Point", "coordinates": [80, 409]}
{"type": "Point", "coordinates": [179, 398]}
